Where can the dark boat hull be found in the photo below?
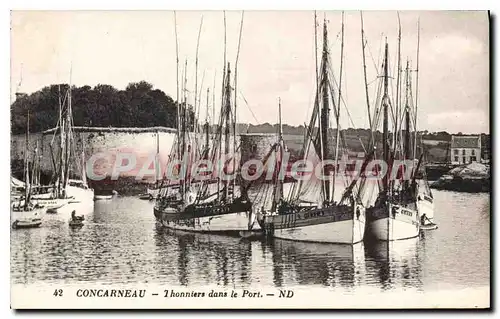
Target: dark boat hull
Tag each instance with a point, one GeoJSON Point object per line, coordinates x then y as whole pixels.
{"type": "Point", "coordinates": [220, 218]}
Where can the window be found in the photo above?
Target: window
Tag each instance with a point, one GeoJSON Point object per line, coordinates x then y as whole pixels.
{"type": "Point", "coordinates": [456, 158]}
{"type": "Point", "coordinates": [464, 160]}
{"type": "Point", "coordinates": [463, 152]}
{"type": "Point", "coordinates": [473, 159]}
{"type": "Point", "coordinates": [455, 152]}
{"type": "Point", "coordinates": [473, 153]}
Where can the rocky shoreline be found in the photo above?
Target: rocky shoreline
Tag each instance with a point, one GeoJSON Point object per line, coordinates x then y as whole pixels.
{"type": "Point", "coordinates": [471, 178]}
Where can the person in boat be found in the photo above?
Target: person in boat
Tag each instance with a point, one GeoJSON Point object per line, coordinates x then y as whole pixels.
{"type": "Point", "coordinates": [423, 219]}
{"type": "Point", "coordinates": [74, 217]}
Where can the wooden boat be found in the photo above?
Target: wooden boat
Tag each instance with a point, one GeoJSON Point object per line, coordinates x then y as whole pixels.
{"type": "Point", "coordinates": [318, 218]}
{"type": "Point", "coordinates": [51, 211]}
{"type": "Point", "coordinates": [396, 212]}
{"type": "Point", "coordinates": [146, 196]}
{"type": "Point", "coordinates": [223, 207]}
{"type": "Point", "coordinates": [75, 223]}
{"type": "Point", "coordinates": [27, 222]}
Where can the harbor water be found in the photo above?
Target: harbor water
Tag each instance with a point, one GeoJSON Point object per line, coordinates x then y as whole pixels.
{"type": "Point", "coordinates": [120, 243]}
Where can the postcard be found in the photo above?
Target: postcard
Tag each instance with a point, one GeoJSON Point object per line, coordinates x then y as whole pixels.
{"type": "Point", "coordinates": [250, 160]}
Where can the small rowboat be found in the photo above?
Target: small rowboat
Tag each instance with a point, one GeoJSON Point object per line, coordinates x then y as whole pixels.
{"type": "Point", "coordinates": [103, 197]}
{"type": "Point", "coordinates": [430, 226]}
{"type": "Point", "coordinates": [51, 211]}
{"type": "Point", "coordinates": [146, 197]}
{"type": "Point", "coordinates": [27, 223]}
{"type": "Point", "coordinates": [75, 223]}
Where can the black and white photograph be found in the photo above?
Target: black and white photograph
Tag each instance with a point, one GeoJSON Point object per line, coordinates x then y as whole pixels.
{"type": "Point", "coordinates": [251, 159]}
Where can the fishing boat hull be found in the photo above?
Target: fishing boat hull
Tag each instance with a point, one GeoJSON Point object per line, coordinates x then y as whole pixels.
{"type": "Point", "coordinates": [333, 224]}
{"type": "Point", "coordinates": [51, 203]}
{"type": "Point", "coordinates": [230, 218]}
{"type": "Point", "coordinates": [393, 222]}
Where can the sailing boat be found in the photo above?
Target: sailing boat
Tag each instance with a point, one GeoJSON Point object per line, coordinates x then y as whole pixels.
{"type": "Point", "coordinates": [207, 207]}
{"type": "Point", "coordinates": [320, 218]}
{"type": "Point", "coordinates": [394, 214]}
{"type": "Point", "coordinates": [198, 207]}
{"type": "Point", "coordinates": [425, 198]}
{"type": "Point", "coordinates": [403, 207]}
{"type": "Point", "coordinates": [29, 215]}
{"type": "Point", "coordinates": [64, 190]}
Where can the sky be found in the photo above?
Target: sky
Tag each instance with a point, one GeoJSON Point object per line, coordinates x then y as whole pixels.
{"type": "Point", "coordinates": [276, 58]}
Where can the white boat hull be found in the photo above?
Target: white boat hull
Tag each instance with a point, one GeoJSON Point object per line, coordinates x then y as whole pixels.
{"type": "Point", "coordinates": [343, 232]}
{"type": "Point", "coordinates": [52, 203]}
{"type": "Point", "coordinates": [232, 222]}
{"type": "Point", "coordinates": [103, 197]}
{"type": "Point", "coordinates": [387, 226]}
{"type": "Point", "coordinates": [334, 224]}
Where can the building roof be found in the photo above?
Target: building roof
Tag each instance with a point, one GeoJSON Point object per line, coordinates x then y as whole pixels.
{"type": "Point", "coordinates": [465, 141]}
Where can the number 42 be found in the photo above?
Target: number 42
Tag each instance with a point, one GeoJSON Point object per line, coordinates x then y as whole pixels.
{"type": "Point", "coordinates": [58, 292]}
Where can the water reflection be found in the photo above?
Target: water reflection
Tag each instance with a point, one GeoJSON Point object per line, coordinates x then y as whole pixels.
{"type": "Point", "coordinates": [205, 258]}
{"type": "Point", "coordinates": [120, 243]}
{"type": "Point", "coordinates": [393, 264]}
{"type": "Point", "coordinates": [316, 263]}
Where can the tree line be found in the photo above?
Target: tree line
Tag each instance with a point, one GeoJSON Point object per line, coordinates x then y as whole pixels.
{"type": "Point", "coordinates": [139, 105]}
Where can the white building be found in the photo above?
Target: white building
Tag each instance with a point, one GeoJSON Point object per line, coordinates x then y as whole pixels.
{"type": "Point", "coordinates": [465, 149]}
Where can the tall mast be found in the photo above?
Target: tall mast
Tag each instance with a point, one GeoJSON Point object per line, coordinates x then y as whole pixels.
{"type": "Point", "coordinates": [227, 119]}
{"type": "Point", "coordinates": [157, 159]}
{"type": "Point", "coordinates": [26, 162]}
{"type": "Point", "coordinates": [407, 145]}
{"type": "Point", "coordinates": [398, 88]}
{"type": "Point", "coordinates": [177, 84]}
{"type": "Point", "coordinates": [325, 110]}
{"type": "Point", "coordinates": [207, 128]}
{"type": "Point", "coordinates": [223, 103]}
{"type": "Point", "coordinates": [337, 113]}
{"type": "Point", "coordinates": [236, 100]}
{"type": "Point", "coordinates": [386, 119]}
{"type": "Point", "coordinates": [363, 44]}
{"type": "Point", "coordinates": [68, 138]}
{"type": "Point", "coordinates": [213, 103]}
{"type": "Point", "coordinates": [34, 165]}
{"type": "Point", "coordinates": [278, 189]}
{"type": "Point", "coordinates": [62, 145]}
{"type": "Point", "coordinates": [196, 102]}
{"type": "Point", "coordinates": [227, 110]}
{"type": "Point", "coordinates": [416, 92]}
